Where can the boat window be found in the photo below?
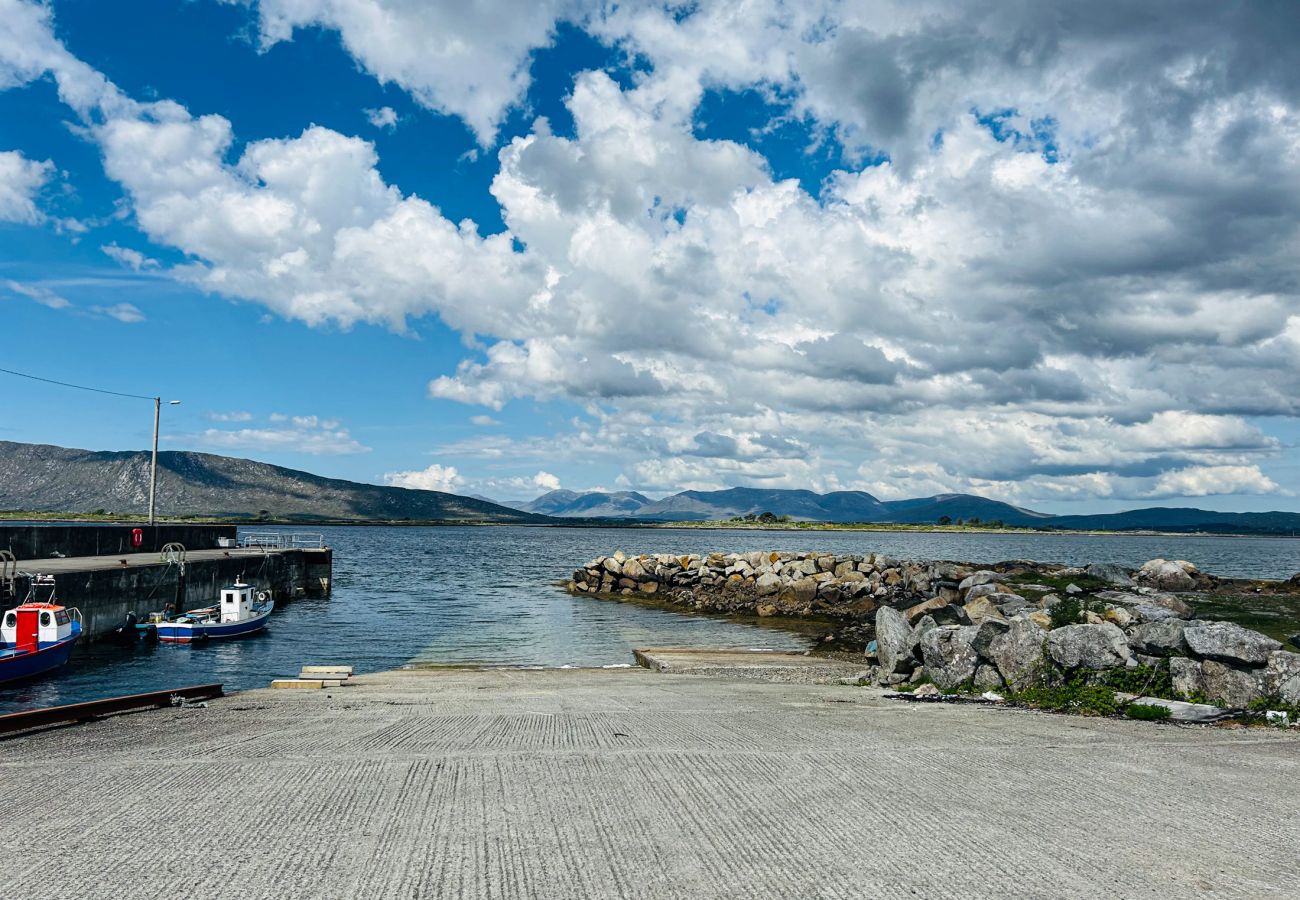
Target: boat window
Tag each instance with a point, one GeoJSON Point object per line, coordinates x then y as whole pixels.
{"type": "Point", "coordinates": [61, 617]}
{"type": "Point", "coordinates": [10, 620]}
{"type": "Point", "coordinates": [45, 618]}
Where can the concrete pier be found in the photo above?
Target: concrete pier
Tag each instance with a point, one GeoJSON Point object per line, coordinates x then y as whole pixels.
{"type": "Point", "coordinates": [106, 588]}
{"type": "Point", "coordinates": [626, 783]}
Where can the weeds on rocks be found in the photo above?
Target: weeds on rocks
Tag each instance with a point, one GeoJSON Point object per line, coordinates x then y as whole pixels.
{"type": "Point", "coordinates": [1146, 712]}
{"type": "Point", "coordinates": [1146, 681]}
{"type": "Point", "coordinates": [1075, 694]}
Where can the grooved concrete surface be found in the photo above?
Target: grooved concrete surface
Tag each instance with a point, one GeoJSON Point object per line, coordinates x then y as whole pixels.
{"type": "Point", "coordinates": [571, 784]}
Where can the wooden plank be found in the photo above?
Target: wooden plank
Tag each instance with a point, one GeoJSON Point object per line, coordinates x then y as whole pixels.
{"type": "Point", "coordinates": [327, 670]}
{"type": "Point", "coordinates": [304, 683]}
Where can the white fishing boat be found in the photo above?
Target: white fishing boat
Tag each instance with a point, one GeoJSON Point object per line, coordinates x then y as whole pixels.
{"type": "Point", "coordinates": [242, 610]}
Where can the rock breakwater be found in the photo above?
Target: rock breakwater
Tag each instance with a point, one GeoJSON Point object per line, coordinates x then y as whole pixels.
{"type": "Point", "coordinates": [1011, 627]}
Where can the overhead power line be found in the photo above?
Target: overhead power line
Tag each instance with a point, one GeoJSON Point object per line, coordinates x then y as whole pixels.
{"type": "Point", "coordinates": [80, 387]}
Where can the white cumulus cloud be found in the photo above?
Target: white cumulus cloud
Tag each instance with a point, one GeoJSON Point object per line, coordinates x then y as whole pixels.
{"type": "Point", "coordinates": [434, 477]}
{"type": "Point", "coordinates": [1069, 270]}
{"type": "Point", "coordinates": [21, 180]}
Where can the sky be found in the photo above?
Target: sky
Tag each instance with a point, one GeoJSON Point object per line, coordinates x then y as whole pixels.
{"type": "Point", "coordinates": [1046, 252]}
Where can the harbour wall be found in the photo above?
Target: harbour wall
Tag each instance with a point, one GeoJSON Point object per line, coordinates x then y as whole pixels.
{"type": "Point", "coordinates": [106, 595]}
{"type": "Point", "coordinates": [44, 541]}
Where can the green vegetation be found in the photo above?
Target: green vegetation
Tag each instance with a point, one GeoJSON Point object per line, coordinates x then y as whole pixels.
{"type": "Point", "coordinates": [1266, 607]}
{"type": "Point", "coordinates": [764, 518]}
{"type": "Point", "coordinates": [1261, 705]}
{"type": "Point", "coordinates": [1093, 693]}
{"type": "Point", "coordinates": [909, 686]}
{"type": "Point", "coordinates": [1075, 694]}
{"type": "Point", "coordinates": [1146, 712]}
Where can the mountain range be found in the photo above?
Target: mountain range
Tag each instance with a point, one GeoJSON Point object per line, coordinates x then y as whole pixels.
{"type": "Point", "coordinates": [859, 506]}
{"type": "Point", "coordinates": [42, 478]}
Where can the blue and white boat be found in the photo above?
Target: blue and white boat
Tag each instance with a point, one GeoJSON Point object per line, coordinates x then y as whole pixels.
{"type": "Point", "coordinates": [37, 636]}
{"type": "Point", "coordinates": [241, 611]}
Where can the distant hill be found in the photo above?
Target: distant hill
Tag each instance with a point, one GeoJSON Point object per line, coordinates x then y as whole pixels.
{"type": "Point", "coordinates": [841, 506]}
{"type": "Point", "coordinates": [42, 478]}
{"type": "Point", "coordinates": [1164, 518]}
{"type": "Point", "coordinates": [601, 504]}
{"type": "Point", "coordinates": [859, 506]}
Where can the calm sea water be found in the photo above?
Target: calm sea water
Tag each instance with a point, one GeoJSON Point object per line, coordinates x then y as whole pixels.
{"type": "Point", "coordinates": [488, 595]}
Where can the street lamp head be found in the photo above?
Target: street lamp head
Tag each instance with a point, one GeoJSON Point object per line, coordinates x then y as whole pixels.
{"type": "Point", "coordinates": [173, 403]}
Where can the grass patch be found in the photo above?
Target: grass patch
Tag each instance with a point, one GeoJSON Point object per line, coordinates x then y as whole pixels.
{"type": "Point", "coordinates": [1145, 712]}
{"type": "Point", "coordinates": [1072, 609]}
{"type": "Point", "coordinates": [1261, 705]}
{"type": "Point", "coordinates": [1076, 694]}
{"type": "Point", "coordinates": [1146, 681]}
{"type": "Point", "coordinates": [1265, 608]}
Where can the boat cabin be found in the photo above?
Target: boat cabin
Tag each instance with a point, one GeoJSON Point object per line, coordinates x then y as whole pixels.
{"type": "Point", "coordinates": [237, 602]}
{"type": "Point", "coordinates": [29, 626]}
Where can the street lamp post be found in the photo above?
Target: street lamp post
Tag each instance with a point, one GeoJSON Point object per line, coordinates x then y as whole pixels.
{"type": "Point", "coordinates": [153, 464]}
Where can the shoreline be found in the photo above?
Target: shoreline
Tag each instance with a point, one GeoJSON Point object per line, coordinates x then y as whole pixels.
{"type": "Point", "coordinates": [22, 518]}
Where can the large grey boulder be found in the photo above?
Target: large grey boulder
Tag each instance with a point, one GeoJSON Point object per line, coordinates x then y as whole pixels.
{"type": "Point", "coordinates": [632, 568]}
{"type": "Point", "coordinates": [1282, 677]}
{"type": "Point", "coordinates": [982, 590]}
{"type": "Point", "coordinates": [924, 624]}
{"type": "Point", "coordinates": [986, 633]}
{"type": "Point", "coordinates": [1111, 574]}
{"type": "Point", "coordinates": [1158, 638]}
{"type": "Point", "coordinates": [1230, 643]}
{"type": "Point", "coordinates": [984, 576]}
{"type": "Point", "coordinates": [1009, 604]}
{"type": "Point", "coordinates": [612, 566]}
{"type": "Point", "coordinates": [767, 583]}
{"type": "Point", "coordinates": [893, 642]}
{"type": "Point", "coordinates": [1088, 647]}
{"type": "Point", "coordinates": [800, 593]}
{"type": "Point", "coordinates": [1176, 605]}
{"type": "Point", "coordinates": [983, 609]}
{"type": "Point", "coordinates": [1167, 575]}
{"type": "Point", "coordinates": [1149, 607]}
{"type": "Point", "coordinates": [1230, 686]}
{"type": "Point", "coordinates": [1018, 653]}
{"type": "Point", "coordinates": [950, 660]}
{"type": "Point", "coordinates": [1192, 713]}
{"type": "Point", "coordinates": [1187, 677]}
{"type": "Point", "coordinates": [986, 678]}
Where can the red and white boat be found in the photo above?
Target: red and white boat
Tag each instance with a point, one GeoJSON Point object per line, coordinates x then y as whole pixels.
{"type": "Point", "coordinates": [37, 636]}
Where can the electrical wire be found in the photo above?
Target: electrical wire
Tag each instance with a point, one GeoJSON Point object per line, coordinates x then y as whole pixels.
{"type": "Point", "coordinates": [80, 387]}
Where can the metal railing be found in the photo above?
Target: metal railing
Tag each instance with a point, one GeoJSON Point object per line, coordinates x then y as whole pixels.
{"type": "Point", "coordinates": [282, 540]}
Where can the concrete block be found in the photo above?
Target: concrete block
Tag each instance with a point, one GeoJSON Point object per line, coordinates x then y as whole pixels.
{"type": "Point", "coordinates": [303, 683]}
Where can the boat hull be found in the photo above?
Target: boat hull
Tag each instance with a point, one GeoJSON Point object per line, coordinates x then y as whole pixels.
{"type": "Point", "coordinates": [190, 632]}
{"type": "Point", "coordinates": [21, 666]}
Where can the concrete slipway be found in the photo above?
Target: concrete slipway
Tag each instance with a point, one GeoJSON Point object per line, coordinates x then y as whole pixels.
{"type": "Point", "coordinates": [628, 783]}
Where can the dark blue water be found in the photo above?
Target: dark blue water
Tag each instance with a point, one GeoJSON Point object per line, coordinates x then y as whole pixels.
{"type": "Point", "coordinates": [488, 595]}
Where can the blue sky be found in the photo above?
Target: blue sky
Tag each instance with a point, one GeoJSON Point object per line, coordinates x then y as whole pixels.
{"type": "Point", "coordinates": [508, 248]}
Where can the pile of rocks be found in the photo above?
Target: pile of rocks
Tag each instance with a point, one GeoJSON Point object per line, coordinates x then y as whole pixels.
{"type": "Point", "coordinates": [1011, 643]}
{"type": "Point", "coordinates": [988, 629]}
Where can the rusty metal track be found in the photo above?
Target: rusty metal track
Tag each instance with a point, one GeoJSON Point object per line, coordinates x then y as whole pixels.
{"type": "Point", "coordinates": [81, 712]}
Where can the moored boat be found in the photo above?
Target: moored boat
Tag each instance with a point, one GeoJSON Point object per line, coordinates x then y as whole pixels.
{"type": "Point", "coordinates": [37, 636]}
{"type": "Point", "coordinates": [241, 611]}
